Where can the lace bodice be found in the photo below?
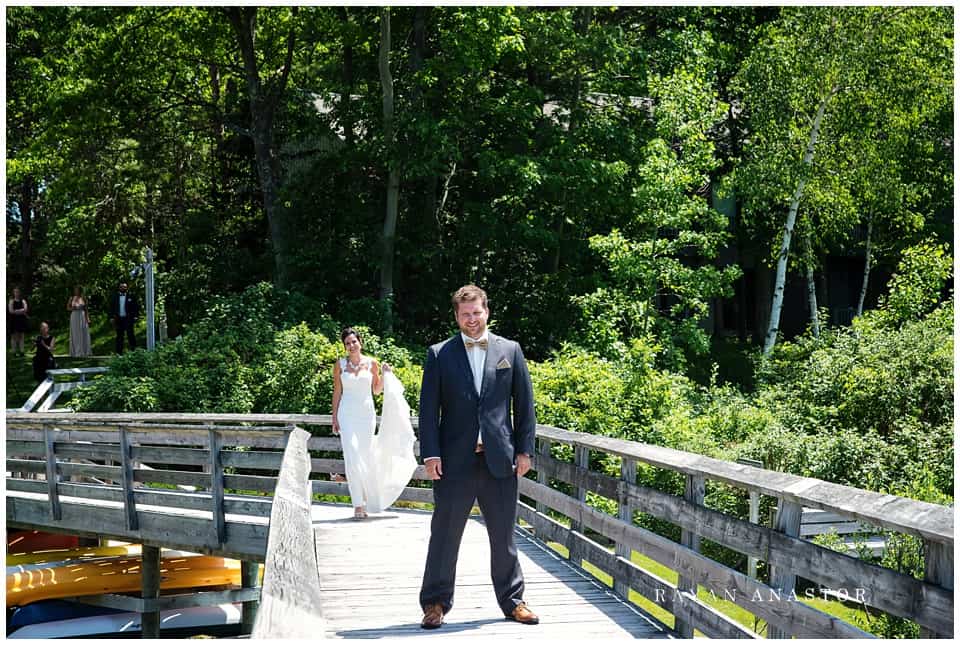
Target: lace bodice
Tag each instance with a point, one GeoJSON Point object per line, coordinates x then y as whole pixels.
{"type": "Point", "coordinates": [357, 386]}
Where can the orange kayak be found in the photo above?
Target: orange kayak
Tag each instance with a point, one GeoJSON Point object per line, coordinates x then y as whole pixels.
{"type": "Point", "coordinates": [117, 575]}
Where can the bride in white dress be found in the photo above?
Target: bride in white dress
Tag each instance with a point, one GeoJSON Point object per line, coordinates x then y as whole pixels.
{"type": "Point", "coordinates": [378, 466]}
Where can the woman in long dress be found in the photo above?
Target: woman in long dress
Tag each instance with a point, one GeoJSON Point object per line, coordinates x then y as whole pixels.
{"type": "Point", "coordinates": [79, 324]}
{"type": "Point", "coordinates": [356, 379]}
{"type": "Point", "coordinates": [17, 313]}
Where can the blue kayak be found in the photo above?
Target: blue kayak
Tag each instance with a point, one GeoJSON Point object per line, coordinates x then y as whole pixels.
{"type": "Point", "coordinates": [45, 611]}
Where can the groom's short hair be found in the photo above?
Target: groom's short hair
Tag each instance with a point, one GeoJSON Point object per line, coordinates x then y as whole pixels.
{"type": "Point", "coordinates": [469, 293]}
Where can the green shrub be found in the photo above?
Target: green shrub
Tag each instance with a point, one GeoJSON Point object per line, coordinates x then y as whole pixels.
{"type": "Point", "coordinates": [240, 358]}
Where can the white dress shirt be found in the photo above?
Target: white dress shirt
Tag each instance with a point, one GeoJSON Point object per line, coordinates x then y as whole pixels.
{"type": "Point", "coordinates": [123, 305]}
{"type": "Point", "coordinates": [477, 358]}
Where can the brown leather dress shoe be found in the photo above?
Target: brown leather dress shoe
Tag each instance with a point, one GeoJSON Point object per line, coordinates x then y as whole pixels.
{"type": "Point", "coordinates": [432, 616]}
{"type": "Point", "coordinates": [522, 614]}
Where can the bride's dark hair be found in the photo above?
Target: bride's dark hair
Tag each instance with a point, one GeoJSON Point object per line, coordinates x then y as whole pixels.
{"type": "Point", "coordinates": [347, 331]}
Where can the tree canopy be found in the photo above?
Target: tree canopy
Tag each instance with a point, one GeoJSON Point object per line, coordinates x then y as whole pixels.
{"type": "Point", "coordinates": [564, 158]}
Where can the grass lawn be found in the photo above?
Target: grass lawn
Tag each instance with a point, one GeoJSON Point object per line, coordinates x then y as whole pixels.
{"type": "Point", "coordinates": [729, 609]}
{"type": "Point", "coordinates": [20, 382]}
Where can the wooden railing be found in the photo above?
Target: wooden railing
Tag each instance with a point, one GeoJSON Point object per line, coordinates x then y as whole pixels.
{"type": "Point", "coordinates": [929, 602]}
{"type": "Point", "coordinates": [201, 450]}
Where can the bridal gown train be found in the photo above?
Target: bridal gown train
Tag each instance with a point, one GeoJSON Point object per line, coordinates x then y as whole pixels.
{"type": "Point", "coordinates": [378, 466]}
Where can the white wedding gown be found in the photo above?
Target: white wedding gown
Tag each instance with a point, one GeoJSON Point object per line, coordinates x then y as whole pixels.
{"type": "Point", "coordinates": [378, 466]}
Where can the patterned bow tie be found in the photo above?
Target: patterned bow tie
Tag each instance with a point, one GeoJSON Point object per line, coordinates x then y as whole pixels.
{"type": "Point", "coordinates": [482, 344]}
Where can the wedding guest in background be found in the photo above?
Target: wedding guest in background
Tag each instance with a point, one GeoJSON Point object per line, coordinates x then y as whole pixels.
{"type": "Point", "coordinates": [124, 310]}
{"type": "Point", "coordinates": [43, 358]}
{"type": "Point", "coordinates": [18, 314]}
{"type": "Point", "coordinates": [79, 324]}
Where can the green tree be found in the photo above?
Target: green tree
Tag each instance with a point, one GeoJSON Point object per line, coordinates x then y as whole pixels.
{"type": "Point", "coordinates": [666, 254]}
{"type": "Point", "coordinates": [814, 71]}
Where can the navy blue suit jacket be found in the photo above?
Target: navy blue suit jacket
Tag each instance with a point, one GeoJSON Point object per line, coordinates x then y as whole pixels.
{"type": "Point", "coordinates": [452, 413]}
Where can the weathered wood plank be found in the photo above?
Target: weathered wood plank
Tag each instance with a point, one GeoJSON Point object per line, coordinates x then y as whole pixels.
{"type": "Point", "coordinates": [581, 459]}
{"type": "Point", "coordinates": [176, 529]}
{"type": "Point", "coordinates": [543, 452]}
{"type": "Point", "coordinates": [170, 455]}
{"type": "Point", "coordinates": [233, 504]}
{"type": "Point", "coordinates": [32, 449]}
{"type": "Point", "coordinates": [938, 569]}
{"type": "Point", "coordinates": [250, 582]}
{"type": "Point", "coordinates": [625, 509]}
{"type": "Point", "coordinates": [252, 459]}
{"type": "Point", "coordinates": [693, 494]}
{"type": "Point", "coordinates": [150, 587]}
{"type": "Point", "coordinates": [290, 597]}
{"type": "Point", "coordinates": [172, 477]}
{"type": "Point", "coordinates": [35, 398]}
{"type": "Point", "coordinates": [165, 602]}
{"type": "Point", "coordinates": [782, 579]}
{"type": "Point", "coordinates": [52, 477]}
{"type": "Point", "coordinates": [250, 482]}
{"type": "Point", "coordinates": [67, 371]}
{"type": "Point", "coordinates": [127, 479]}
{"type": "Point", "coordinates": [216, 487]}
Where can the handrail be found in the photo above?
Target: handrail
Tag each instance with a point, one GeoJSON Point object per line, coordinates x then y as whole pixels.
{"type": "Point", "coordinates": [929, 521]}
{"type": "Point", "coordinates": [929, 602]}
{"type": "Point", "coordinates": [290, 597]}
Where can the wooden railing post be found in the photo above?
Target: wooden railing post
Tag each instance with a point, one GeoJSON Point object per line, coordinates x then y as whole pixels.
{"type": "Point", "coordinates": [249, 579]}
{"type": "Point", "coordinates": [581, 457]}
{"type": "Point", "coordinates": [938, 569]}
{"type": "Point", "coordinates": [628, 474]}
{"type": "Point", "coordinates": [150, 590]}
{"type": "Point", "coordinates": [126, 462]}
{"type": "Point", "coordinates": [216, 486]}
{"type": "Point", "coordinates": [52, 477]}
{"type": "Point", "coordinates": [693, 492]}
{"type": "Point", "coordinates": [543, 450]}
{"type": "Point", "coordinates": [788, 523]}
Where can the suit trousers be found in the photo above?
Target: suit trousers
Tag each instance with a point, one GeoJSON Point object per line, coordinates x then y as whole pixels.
{"type": "Point", "coordinates": [453, 499]}
{"type": "Point", "coordinates": [125, 326]}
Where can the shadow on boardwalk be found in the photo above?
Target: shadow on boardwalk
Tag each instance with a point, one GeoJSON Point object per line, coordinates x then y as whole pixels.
{"type": "Point", "coordinates": [370, 574]}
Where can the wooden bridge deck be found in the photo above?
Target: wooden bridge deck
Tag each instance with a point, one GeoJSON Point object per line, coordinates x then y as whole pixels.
{"type": "Point", "coordinates": [370, 574]}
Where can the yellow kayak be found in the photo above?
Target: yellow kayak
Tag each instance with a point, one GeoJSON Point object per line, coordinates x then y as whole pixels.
{"type": "Point", "coordinates": [117, 575]}
{"type": "Point", "coordinates": [58, 555]}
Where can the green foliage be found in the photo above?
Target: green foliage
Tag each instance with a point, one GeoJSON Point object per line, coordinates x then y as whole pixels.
{"type": "Point", "coordinates": [915, 289]}
{"type": "Point", "coordinates": [241, 358]}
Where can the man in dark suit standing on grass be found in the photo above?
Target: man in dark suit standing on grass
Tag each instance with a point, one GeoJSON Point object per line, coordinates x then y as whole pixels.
{"type": "Point", "coordinates": [474, 452]}
{"type": "Point", "coordinates": [124, 310]}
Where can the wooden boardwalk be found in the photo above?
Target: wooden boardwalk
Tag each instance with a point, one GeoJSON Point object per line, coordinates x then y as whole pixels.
{"type": "Point", "coordinates": [370, 573]}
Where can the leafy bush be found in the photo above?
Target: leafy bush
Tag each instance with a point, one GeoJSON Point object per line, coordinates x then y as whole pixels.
{"type": "Point", "coordinates": [240, 358]}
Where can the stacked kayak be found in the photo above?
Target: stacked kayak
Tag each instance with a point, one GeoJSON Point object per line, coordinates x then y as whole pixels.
{"type": "Point", "coordinates": [38, 581]}
{"type": "Point", "coordinates": [32, 541]}
{"type": "Point", "coordinates": [117, 574]}
{"type": "Point", "coordinates": [217, 620]}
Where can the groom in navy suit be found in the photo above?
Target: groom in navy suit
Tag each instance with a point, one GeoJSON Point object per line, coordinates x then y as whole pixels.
{"type": "Point", "coordinates": [475, 452]}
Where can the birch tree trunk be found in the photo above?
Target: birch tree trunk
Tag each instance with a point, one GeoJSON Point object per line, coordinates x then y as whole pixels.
{"type": "Point", "coordinates": [866, 268]}
{"type": "Point", "coordinates": [393, 177]}
{"type": "Point", "coordinates": [812, 300]}
{"type": "Point", "coordinates": [776, 306]}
